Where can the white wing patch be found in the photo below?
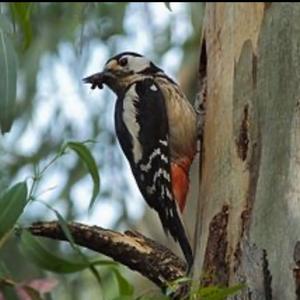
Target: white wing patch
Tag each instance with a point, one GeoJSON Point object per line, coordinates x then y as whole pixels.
{"type": "Point", "coordinates": [153, 87]}
{"type": "Point", "coordinates": [163, 142]}
{"type": "Point", "coordinates": [130, 120]}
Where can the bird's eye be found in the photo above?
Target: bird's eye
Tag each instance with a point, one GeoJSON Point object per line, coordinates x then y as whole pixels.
{"type": "Point", "coordinates": [123, 62]}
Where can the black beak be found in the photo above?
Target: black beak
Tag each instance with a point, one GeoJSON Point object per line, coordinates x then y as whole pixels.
{"type": "Point", "coordinates": [96, 80]}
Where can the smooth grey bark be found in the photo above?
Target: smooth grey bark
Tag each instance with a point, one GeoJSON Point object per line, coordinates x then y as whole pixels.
{"type": "Point", "coordinates": [249, 202]}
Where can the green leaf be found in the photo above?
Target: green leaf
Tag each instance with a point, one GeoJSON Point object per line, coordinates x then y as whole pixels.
{"type": "Point", "coordinates": [217, 293]}
{"type": "Point", "coordinates": [125, 288]}
{"type": "Point", "coordinates": [84, 153]}
{"type": "Point", "coordinates": [174, 285]}
{"type": "Point", "coordinates": [22, 12]}
{"type": "Point", "coordinates": [168, 5]}
{"type": "Point", "coordinates": [12, 204]}
{"type": "Point", "coordinates": [7, 287]}
{"type": "Point", "coordinates": [9, 292]}
{"type": "Point", "coordinates": [4, 238]}
{"type": "Point", "coordinates": [37, 253]}
{"type": "Point", "coordinates": [104, 263]}
{"type": "Point", "coordinates": [64, 226]}
{"type": "Point", "coordinates": [155, 297]}
{"type": "Point", "coordinates": [4, 272]}
{"type": "Point", "coordinates": [8, 79]}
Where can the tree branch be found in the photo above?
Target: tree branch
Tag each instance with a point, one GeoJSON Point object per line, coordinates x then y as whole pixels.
{"type": "Point", "coordinates": [132, 249]}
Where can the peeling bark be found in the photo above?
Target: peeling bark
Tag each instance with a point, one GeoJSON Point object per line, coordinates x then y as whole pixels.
{"type": "Point", "coordinates": [215, 268]}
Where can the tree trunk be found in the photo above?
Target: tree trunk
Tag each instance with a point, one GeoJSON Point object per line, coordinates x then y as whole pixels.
{"type": "Point", "coordinates": [249, 204]}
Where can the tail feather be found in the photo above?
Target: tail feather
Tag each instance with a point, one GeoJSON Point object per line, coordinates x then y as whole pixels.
{"type": "Point", "coordinates": [173, 224]}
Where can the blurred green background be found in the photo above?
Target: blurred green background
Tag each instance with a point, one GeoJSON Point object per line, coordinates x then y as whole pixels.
{"type": "Point", "coordinates": [57, 44]}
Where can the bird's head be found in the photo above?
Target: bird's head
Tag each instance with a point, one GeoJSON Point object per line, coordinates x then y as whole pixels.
{"type": "Point", "coordinates": [121, 70]}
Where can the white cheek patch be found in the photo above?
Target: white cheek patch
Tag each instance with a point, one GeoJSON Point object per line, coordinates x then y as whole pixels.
{"type": "Point", "coordinates": [137, 63]}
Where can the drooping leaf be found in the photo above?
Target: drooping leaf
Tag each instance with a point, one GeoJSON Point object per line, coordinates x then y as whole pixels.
{"type": "Point", "coordinates": [22, 12]}
{"type": "Point", "coordinates": [7, 289]}
{"type": "Point", "coordinates": [8, 78]}
{"type": "Point", "coordinates": [126, 289]}
{"type": "Point", "coordinates": [37, 253]}
{"type": "Point", "coordinates": [168, 5]}
{"type": "Point", "coordinates": [85, 155]}
{"type": "Point", "coordinates": [8, 293]}
{"type": "Point", "coordinates": [12, 204]}
{"type": "Point", "coordinates": [4, 238]}
{"type": "Point", "coordinates": [4, 272]}
{"type": "Point", "coordinates": [64, 226]}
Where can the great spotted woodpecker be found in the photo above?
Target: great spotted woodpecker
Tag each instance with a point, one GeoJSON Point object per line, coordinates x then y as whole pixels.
{"type": "Point", "coordinates": [156, 128]}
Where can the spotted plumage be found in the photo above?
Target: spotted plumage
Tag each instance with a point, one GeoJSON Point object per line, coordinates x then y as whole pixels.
{"type": "Point", "coordinates": [156, 128]}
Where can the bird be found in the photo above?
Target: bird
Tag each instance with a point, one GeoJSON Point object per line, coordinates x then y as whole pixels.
{"type": "Point", "coordinates": [156, 128]}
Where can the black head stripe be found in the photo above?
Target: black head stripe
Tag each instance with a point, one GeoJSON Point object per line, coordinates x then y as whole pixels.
{"type": "Point", "coordinates": [152, 69]}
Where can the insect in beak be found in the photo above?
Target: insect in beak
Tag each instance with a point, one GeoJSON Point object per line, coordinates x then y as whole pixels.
{"type": "Point", "coordinates": [96, 80]}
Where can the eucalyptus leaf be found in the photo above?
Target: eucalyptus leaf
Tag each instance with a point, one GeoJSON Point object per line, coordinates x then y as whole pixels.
{"type": "Point", "coordinates": [85, 155]}
{"type": "Point", "coordinates": [8, 80]}
{"type": "Point", "coordinates": [125, 287]}
{"type": "Point", "coordinates": [42, 257]}
{"type": "Point", "coordinates": [12, 204]}
{"type": "Point", "coordinates": [168, 5]}
{"type": "Point", "coordinates": [22, 12]}
{"type": "Point", "coordinates": [64, 226]}
{"type": "Point", "coordinates": [9, 292]}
